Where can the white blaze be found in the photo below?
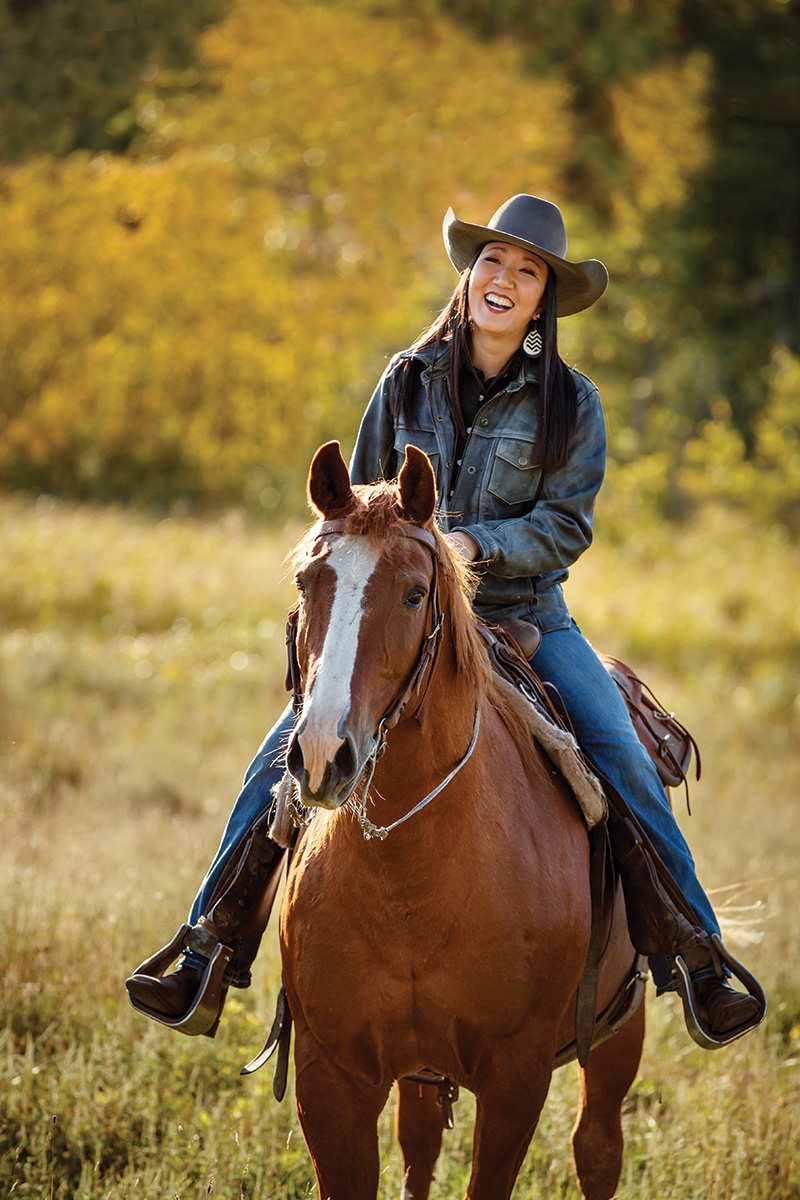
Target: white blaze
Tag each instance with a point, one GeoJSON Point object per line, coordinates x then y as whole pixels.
{"type": "Point", "coordinates": [352, 560]}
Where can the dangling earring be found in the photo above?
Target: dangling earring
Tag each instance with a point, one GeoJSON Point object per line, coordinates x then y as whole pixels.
{"type": "Point", "coordinates": [533, 341]}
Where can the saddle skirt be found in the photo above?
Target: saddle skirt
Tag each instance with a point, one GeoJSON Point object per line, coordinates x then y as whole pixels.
{"type": "Point", "coordinates": [511, 645]}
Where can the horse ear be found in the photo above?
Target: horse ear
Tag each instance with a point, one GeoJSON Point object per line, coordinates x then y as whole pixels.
{"type": "Point", "coordinates": [329, 490]}
{"type": "Point", "coordinates": [417, 487]}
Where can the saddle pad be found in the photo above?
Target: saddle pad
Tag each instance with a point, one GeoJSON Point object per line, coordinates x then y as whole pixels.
{"type": "Point", "coordinates": [562, 749]}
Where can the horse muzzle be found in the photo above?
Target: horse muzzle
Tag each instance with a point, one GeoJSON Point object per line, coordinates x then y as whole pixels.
{"type": "Point", "coordinates": [327, 769]}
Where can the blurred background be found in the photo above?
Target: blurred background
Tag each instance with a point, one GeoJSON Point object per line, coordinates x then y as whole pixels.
{"type": "Point", "coordinates": [218, 219]}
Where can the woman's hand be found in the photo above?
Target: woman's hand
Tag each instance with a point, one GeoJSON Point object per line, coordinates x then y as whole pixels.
{"type": "Point", "coordinates": [464, 544]}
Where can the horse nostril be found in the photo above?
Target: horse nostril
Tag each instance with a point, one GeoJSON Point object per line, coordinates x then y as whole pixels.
{"type": "Point", "coordinates": [345, 759]}
{"type": "Point", "coordinates": [294, 757]}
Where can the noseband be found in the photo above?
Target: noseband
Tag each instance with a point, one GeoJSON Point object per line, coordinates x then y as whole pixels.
{"type": "Point", "coordinates": [418, 681]}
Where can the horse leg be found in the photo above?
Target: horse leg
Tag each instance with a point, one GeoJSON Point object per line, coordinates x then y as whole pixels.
{"type": "Point", "coordinates": [339, 1119]}
{"type": "Point", "coordinates": [418, 1126]}
{"type": "Point", "coordinates": [597, 1136]}
{"type": "Point", "coordinates": [506, 1118]}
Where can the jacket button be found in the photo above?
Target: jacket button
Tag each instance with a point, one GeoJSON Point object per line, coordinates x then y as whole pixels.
{"type": "Point", "coordinates": [439, 417]}
{"type": "Point", "coordinates": [470, 470]}
{"type": "Point", "coordinates": [484, 420]}
{"type": "Point", "coordinates": [523, 462]}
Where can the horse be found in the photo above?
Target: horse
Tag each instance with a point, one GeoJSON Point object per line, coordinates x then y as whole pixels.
{"type": "Point", "coordinates": [445, 929]}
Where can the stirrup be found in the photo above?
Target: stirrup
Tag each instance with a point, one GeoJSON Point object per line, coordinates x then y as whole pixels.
{"type": "Point", "coordinates": [694, 1013]}
{"type": "Point", "coordinates": [205, 1011]}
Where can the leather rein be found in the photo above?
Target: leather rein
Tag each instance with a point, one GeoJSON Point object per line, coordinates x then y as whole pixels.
{"type": "Point", "coordinates": [417, 685]}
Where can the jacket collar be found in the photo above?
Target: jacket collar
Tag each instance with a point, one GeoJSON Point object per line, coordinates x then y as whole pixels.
{"type": "Point", "coordinates": [527, 373]}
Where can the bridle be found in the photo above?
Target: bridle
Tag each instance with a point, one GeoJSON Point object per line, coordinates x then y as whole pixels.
{"type": "Point", "coordinates": [416, 685]}
{"type": "Point", "coordinates": [430, 645]}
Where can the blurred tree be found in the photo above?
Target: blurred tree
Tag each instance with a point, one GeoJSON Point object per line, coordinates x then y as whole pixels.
{"type": "Point", "coordinates": [718, 282]}
{"type": "Point", "coordinates": [743, 220]}
{"type": "Point", "coordinates": [194, 315]}
{"type": "Point", "coordinates": [193, 318]}
{"type": "Point", "coordinates": [70, 72]}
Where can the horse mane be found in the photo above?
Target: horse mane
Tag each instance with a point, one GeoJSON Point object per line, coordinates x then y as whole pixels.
{"type": "Point", "coordinates": [377, 514]}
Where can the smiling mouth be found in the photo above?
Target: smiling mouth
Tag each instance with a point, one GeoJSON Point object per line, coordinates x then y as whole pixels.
{"type": "Point", "coordinates": [497, 303]}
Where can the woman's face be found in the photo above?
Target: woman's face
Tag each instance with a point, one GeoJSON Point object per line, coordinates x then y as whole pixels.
{"type": "Point", "coordinates": [505, 291]}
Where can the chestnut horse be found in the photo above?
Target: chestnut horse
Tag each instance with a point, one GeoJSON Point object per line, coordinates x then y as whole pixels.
{"type": "Point", "coordinates": [456, 942]}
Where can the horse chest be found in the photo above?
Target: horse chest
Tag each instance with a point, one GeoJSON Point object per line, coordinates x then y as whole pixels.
{"type": "Point", "coordinates": [406, 954]}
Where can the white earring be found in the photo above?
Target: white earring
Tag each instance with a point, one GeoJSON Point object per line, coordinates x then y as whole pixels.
{"type": "Point", "coordinates": [533, 343]}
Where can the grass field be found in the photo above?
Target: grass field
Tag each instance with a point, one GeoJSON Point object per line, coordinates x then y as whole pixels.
{"type": "Point", "coordinates": [141, 661]}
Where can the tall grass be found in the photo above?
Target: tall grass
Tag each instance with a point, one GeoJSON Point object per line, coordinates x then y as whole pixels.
{"type": "Point", "coordinates": [142, 661]}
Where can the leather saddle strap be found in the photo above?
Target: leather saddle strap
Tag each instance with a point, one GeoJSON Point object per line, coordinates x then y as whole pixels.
{"type": "Point", "coordinates": [507, 659]}
{"type": "Point", "coordinates": [586, 1008]}
{"type": "Point", "coordinates": [654, 899]}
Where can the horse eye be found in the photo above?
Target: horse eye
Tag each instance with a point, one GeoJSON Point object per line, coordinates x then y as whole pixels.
{"type": "Point", "coordinates": [414, 598]}
{"type": "Point", "coordinates": [301, 584]}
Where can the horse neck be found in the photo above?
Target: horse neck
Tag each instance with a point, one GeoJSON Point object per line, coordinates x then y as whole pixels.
{"type": "Point", "coordinates": [426, 744]}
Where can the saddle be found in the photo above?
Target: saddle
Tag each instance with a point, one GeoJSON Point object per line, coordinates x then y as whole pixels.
{"type": "Point", "coordinates": [658, 912]}
{"type": "Point", "coordinates": [668, 742]}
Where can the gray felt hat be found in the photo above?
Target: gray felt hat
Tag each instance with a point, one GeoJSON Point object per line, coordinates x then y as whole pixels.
{"type": "Point", "coordinates": [535, 225]}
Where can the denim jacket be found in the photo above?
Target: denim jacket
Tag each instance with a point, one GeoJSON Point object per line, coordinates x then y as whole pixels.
{"type": "Point", "coordinates": [530, 526]}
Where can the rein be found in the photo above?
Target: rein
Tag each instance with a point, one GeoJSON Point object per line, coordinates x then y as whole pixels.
{"type": "Point", "coordinates": [420, 675]}
{"type": "Point", "coordinates": [371, 830]}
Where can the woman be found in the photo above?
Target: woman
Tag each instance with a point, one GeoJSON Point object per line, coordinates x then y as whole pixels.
{"type": "Point", "coordinates": [517, 441]}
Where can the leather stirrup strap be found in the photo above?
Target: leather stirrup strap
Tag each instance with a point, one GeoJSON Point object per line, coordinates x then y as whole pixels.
{"type": "Point", "coordinates": [279, 1038]}
{"type": "Point", "coordinates": [586, 1006]}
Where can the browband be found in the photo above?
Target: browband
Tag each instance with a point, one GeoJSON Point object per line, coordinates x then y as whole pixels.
{"type": "Point", "coordinates": [409, 530]}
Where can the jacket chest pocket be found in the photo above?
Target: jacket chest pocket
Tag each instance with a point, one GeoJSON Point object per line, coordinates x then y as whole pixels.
{"type": "Point", "coordinates": [515, 475]}
{"type": "Point", "coordinates": [423, 439]}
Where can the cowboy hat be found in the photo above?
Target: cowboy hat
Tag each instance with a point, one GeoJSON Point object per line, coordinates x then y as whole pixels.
{"type": "Point", "coordinates": [535, 225]}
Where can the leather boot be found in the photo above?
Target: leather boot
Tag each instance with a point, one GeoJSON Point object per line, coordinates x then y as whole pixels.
{"type": "Point", "coordinates": [171, 995]}
{"type": "Point", "coordinates": [726, 1008]}
{"type": "Point", "coordinates": [191, 999]}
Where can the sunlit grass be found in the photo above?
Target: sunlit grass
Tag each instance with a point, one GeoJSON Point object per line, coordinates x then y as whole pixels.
{"type": "Point", "coordinates": [142, 661]}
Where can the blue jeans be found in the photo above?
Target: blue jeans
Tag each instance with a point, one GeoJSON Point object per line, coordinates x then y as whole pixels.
{"type": "Point", "coordinates": [264, 772]}
{"type": "Point", "coordinates": [603, 728]}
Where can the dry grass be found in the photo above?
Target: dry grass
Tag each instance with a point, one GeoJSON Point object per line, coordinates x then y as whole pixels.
{"type": "Point", "coordinates": [141, 663]}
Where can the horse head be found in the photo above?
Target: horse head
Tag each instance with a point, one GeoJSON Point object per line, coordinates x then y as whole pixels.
{"type": "Point", "coordinates": [366, 574]}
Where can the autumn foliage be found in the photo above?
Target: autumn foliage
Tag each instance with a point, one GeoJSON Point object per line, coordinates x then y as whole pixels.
{"type": "Point", "coordinates": [206, 283]}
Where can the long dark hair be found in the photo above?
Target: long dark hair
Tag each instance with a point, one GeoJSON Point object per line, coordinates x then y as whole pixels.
{"type": "Point", "coordinates": [450, 336]}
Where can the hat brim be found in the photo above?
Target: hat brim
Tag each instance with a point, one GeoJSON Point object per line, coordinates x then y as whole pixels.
{"type": "Point", "coordinates": [578, 284]}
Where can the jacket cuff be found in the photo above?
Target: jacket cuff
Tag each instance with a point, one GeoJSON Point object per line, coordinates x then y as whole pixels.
{"type": "Point", "coordinates": [487, 542]}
